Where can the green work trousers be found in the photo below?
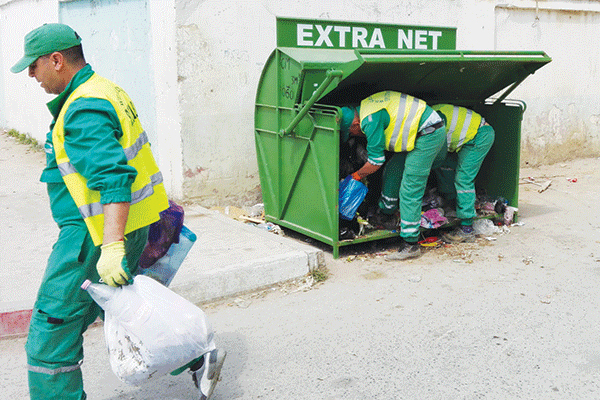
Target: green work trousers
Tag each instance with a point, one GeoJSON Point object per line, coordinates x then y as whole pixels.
{"type": "Point", "coordinates": [456, 176]}
{"type": "Point", "coordinates": [405, 178]}
{"type": "Point", "coordinates": [63, 311]}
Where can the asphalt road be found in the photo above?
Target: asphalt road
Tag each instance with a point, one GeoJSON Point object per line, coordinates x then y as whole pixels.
{"type": "Point", "coordinates": [514, 317]}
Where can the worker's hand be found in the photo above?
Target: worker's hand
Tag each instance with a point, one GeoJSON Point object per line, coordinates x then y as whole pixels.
{"type": "Point", "coordinates": [110, 266]}
{"type": "Point", "coordinates": [355, 176]}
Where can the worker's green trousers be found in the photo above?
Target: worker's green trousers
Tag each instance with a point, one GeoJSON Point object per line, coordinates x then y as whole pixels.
{"type": "Point", "coordinates": [456, 176]}
{"type": "Point", "coordinates": [63, 311]}
{"type": "Point", "coordinates": [405, 178]}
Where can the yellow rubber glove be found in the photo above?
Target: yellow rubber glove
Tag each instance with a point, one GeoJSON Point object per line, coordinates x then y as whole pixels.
{"type": "Point", "coordinates": [109, 265]}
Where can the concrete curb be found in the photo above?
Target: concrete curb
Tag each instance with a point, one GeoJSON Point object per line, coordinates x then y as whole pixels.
{"type": "Point", "coordinates": [14, 323]}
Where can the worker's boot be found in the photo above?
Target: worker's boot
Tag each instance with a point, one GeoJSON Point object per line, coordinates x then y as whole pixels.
{"type": "Point", "coordinates": [380, 220]}
{"type": "Point", "coordinates": [206, 372]}
{"type": "Point", "coordinates": [462, 234]}
{"type": "Point", "coordinates": [405, 251]}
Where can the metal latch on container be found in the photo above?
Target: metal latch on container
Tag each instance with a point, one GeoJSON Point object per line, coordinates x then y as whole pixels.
{"type": "Point", "coordinates": [329, 77]}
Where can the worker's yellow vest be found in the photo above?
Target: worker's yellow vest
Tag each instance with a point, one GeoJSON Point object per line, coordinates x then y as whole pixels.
{"type": "Point", "coordinates": [405, 115]}
{"type": "Point", "coordinates": [148, 195]}
{"type": "Point", "coordinates": [461, 125]}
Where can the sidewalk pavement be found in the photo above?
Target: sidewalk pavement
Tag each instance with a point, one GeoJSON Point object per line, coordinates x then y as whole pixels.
{"type": "Point", "coordinates": [228, 257]}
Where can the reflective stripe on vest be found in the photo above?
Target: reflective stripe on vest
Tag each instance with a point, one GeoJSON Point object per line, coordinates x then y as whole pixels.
{"type": "Point", "coordinates": [462, 125]}
{"type": "Point", "coordinates": [405, 115]}
{"type": "Point", "coordinates": [56, 371]}
{"type": "Point", "coordinates": [90, 210]}
{"type": "Point", "coordinates": [148, 196]}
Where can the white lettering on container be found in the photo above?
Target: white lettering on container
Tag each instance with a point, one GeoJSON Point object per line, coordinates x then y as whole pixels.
{"type": "Point", "coordinates": [421, 40]}
{"type": "Point", "coordinates": [342, 30]}
{"type": "Point", "coordinates": [359, 35]}
{"type": "Point", "coordinates": [434, 36]}
{"type": "Point", "coordinates": [377, 39]}
{"type": "Point", "coordinates": [405, 39]}
{"type": "Point", "coordinates": [304, 31]}
{"type": "Point", "coordinates": [324, 36]}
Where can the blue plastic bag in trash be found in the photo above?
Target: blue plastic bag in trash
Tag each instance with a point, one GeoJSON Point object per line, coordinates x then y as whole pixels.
{"type": "Point", "coordinates": [352, 193]}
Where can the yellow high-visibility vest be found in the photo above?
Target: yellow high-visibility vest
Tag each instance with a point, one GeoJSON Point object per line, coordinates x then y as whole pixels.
{"type": "Point", "coordinates": [148, 195]}
{"type": "Point", "coordinates": [461, 125]}
{"type": "Point", "coordinates": [405, 114]}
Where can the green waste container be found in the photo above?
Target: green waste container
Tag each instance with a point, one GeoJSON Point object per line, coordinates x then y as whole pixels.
{"type": "Point", "coordinates": [297, 121]}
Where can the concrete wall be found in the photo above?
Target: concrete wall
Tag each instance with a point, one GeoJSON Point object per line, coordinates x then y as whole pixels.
{"type": "Point", "coordinates": [197, 80]}
{"type": "Point", "coordinates": [562, 119]}
{"type": "Point", "coordinates": [23, 101]}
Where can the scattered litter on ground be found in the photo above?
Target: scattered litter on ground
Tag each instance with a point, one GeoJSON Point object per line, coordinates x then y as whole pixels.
{"type": "Point", "coordinates": [303, 284]}
{"type": "Point", "coordinates": [270, 227]}
{"type": "Point", "coordinates": [543, 186]}
{"type": "Point", "coordinates": [257, 211]}
{"type": "Point", "coordinates": [230, 211]}
{"type": "Point", "coordinates": [432, 241]}
{"type": "Point", "coordinates": [253, 216]}
{"type": "Point", "coordinates": [485, 227]}
{"type": "Point", "coordinates": [528, 260]}
{"type": "Point", "coordinates": [509, 215]}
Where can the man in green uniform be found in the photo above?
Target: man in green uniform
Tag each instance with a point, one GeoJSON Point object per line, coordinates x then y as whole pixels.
{"type": "Point", "coordinates": [414, 132]}
{"type": "Point", "coordinates": [469, 139]}
{"type": "Point", "coordinates": [105, 190]}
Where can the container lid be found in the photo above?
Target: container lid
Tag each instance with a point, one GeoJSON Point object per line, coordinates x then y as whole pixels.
{"type": "Point", "coordinates": [453, 76]}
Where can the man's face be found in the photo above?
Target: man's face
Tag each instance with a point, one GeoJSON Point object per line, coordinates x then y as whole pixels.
{"type": "Point", "coordinates": [355, 127]}
{"type": "Point", "coordinates": [44, 71]}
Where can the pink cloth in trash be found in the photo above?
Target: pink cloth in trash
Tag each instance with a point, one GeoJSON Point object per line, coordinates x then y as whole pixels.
{"type": "Point", "coordinates": [433, 218]}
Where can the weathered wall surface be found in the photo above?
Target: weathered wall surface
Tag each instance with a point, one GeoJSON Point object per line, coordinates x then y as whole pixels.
{"type": "Point", "coordinates": [23, 101]}
{"type": "Point", "coordinates": [221, 49]}
{"type": "Point", "coordinates": [562, 120]}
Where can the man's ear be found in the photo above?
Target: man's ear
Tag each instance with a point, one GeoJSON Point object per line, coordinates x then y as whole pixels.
{"type": "Point", "coordinates": [57, 60]}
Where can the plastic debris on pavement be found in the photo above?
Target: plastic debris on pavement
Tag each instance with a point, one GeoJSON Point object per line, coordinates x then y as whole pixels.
{"type": "Point", "coordinates": [485, 227]}
{"type": "Point", "coordinates": [509, 215]}
{"type": "Point", "coordinates": [253, 216]}
{"type": "Point", "coordinates": [270, 227]}
{"type": "Point", "coordinates": [432, 241]}
{"type": "Point", "coordinates": [257, 211]}
{"type": "Point", "coordinates": [543, 186]}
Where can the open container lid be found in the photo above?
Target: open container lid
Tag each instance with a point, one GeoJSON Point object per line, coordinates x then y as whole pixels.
{"type": "Point", "coordinates": [452, 76]}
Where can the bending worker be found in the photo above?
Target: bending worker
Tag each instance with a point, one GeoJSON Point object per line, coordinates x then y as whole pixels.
{"type": "Point", "coordinates": [105, 190]}
{"type": "Point", "coordinates": [469, 139]}
{"type": "Point", "coordinates": [415, 133]}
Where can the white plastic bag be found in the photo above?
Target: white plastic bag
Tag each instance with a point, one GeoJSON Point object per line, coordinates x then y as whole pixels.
{"type": "Point", "coordinates": [149, 329]}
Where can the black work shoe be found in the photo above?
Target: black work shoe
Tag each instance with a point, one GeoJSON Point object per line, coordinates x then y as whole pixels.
{"type": "Point", "coordinates": [381, 220]}
{"type": "Point", "coordinates": [206, 377]}
{"type": "Point", "coordinates": [405, 252]}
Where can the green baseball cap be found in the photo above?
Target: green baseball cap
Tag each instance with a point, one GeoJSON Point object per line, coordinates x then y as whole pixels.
{"type": "Point", "coordinates": [46, 39]}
